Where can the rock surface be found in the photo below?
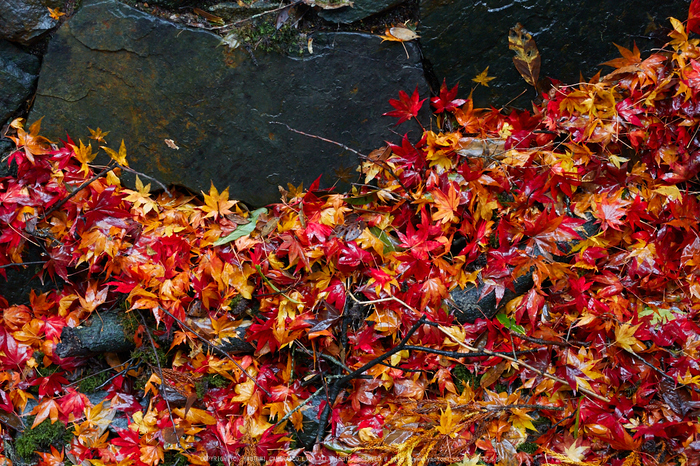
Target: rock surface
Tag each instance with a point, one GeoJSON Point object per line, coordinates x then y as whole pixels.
{"type": "Point", "coordinates": [462, 37]}
{"type": "Point", "coordinates": [25, 21]}
{"type": "Point", "coordinates": [18, 74]}
{"type": "Point", "coordinates": [147, 80]}
{"type": "Point", "coordinates": [361, 9]}
{"type": "Point", "coordinates": [101, 333]}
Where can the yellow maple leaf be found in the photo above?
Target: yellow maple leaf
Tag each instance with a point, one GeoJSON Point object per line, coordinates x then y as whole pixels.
{"type": "Point", "coordinates": [217, 203]}
{"type": "Point", "coordinates": [244, 391]}
{"type": "Point", "coordinates": [84, 155]}
{"type": "Point", "coordinates": [98, 135]}
{"type": "Point", "coordinates": [483, 78]}
{"type": "Point", "coordinates": [151, 454]}
{"type": "Point", "coordinates": [55, 13]}
{"type": "Point", "coordinates": [624, 337]}
{"type": "Point", "coordinates": [120, 157]}
{"type": "Point", "coordinates": [448, 422]}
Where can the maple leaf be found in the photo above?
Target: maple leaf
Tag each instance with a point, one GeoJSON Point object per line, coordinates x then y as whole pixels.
{"type": "Point", "coordinates": [98, 135]}
{"type": "Point", "coordinates": [448, 422]}
{"type": "Point", "coordinates": [55, 13]}
{"type": "Point", "coordinates": [30, 142]}
{"type": "Point", "coordinates": [141, 198]}
{"type": "Point", "coordinates": [119, 157]}
{"type": "Point", "coordinates": [610, 209]}
{"type": "Point", "coordinates": [624, 337]}
{"type": "Point", "coordinates": [446, 102]}
{"type": "Point", "coordinates": [483, 78]}
{"type": "Point", "coordinates": [54, 458]}
{"type": "Point", "coordinates": [406, 107]}
{"type": "Point", "coordinates": [217, 204]}
{"type": "Point", "coordinates": [628, 62]}
{"type": "Point", "coordinates": [694, 16]}
{"type": "Point", "coordinates": [447, 205]}
{"type": "Point", "coordinates": [151, 453]}
{"type": "Point", "coordinates": [575, 452]}
{"type": "Point", "coordinates": [48, 408]}
{"type": "Point", "coordinates": [84, 156]}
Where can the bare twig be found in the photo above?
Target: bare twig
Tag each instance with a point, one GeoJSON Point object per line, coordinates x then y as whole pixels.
{"type": "Point", "coordinates": [162, 186]}
{"type": "Point", "coordinates": [340, 383]}
{"type": "Point", "coordinates": [13, 264]}
{"type": "Point", "coordinates": [162, 379]}
{"type": "Point", "coordinates": [319, 138]}
{"type": "Point", "coordinates": [660, 372]}
{"type": "Point", "coordinates": [590, 393]}
{"type": "Point", "coordinates": [217, 349]}
{"type": "Point", "coordinates": [74, 193]}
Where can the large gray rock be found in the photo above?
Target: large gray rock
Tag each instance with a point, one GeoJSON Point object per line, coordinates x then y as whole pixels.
{"type": "Point", "coordinates": [147, 80]}
{"type": "Point", "coordinates": [462, 37]}
{"type": "Point", "coordinates": [361, 9]}
{"type": "Point", "coordinates": [18, 73]}
{"type": "Point", "coordinates": [25, 21]}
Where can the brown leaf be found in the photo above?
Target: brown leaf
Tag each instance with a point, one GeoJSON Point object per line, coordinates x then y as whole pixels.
{"type": "Point", "coordinates": [491, 376]}
{"type": "Point", "coordinates": [527, 58]}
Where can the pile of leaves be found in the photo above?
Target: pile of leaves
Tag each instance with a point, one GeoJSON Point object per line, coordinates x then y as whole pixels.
{"type": "Point", "coordinates": [347, 297]}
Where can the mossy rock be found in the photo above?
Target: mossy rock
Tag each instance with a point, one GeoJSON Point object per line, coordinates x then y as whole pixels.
{"type": "Point", "coordinates": [41, 438]}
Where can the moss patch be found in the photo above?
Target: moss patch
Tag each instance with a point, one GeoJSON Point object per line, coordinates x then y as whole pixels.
{"type": "Point", "coordinates": [92, 383]}
{"type": "Point", "coordinates": [41, 438]}
{"type": "Point", "coordinates": [462, 377]}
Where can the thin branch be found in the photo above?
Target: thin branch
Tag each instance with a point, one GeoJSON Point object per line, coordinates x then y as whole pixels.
{"type": "Point", "coordinates": [319, 138]}
{"type": "Point", "coordinates": [660, 372]}
{"type": "Point", "coordinates": [74, 193]}
{"type": "Point", "coordinates": [217, 349]}
{"type": "Point", "coordinates": [13, 264]}
{"type": "Point", "coordinates": [340, 383]}
{"type": "Point", "coordinates": [162, 186]}
{"type": "Point", "coordinates": [301, 405]}
{"type": "Point", "coordinates": [162, 379]}
{"type": "Point", "coordinates": [590, 393]}
{"type": "Point", "coordinates": [327, 357]}
{"type": "Point", "coordinates": [476, 354]}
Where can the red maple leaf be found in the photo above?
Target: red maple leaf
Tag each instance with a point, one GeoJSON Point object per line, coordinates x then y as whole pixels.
{"type": "Point", "coordinates": [406, 108]}
{"type": "Point", "coordinates": [694, 17]}
{"type": "Point", "coordinates": [610, 210]}
{"type": "Point", "coordinates": [446, 100]}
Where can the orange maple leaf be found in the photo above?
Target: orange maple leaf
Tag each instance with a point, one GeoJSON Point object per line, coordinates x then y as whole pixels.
{"type": "Point", "coordinates": [48, 408]}
{"type": "Point", "coordinates": [446, 205]}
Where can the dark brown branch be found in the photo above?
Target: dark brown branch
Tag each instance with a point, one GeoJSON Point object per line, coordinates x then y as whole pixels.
{"type": "Point", "coordinates": [217, 349]}
{"type": "Point", "coordinates": [13, 264]}
{"type": "Point", "coordinates": [340, 383]}
{"type": "Point", "coordinates": [162, 379]}
{"type": "Point", "coordinates": [74, 193]}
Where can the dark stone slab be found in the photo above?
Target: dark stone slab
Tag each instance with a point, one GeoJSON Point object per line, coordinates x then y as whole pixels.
{"type": "Point", "coordinates": [147, 80]}
{"type": "Point", "coordinates": [462, 37]}
{"type": "Point", "coordinates": [25, 21]}
{"type": "Point", "coordinates": [18, 75]}
{"type": "Point", "coordinates": [361, 9]}
{"type": "Point", "coordinates": [468, 305]}
{"type": "Point", "coordinates": [21, 280]}
{"type": "Point", "coordinates": [100, 334]}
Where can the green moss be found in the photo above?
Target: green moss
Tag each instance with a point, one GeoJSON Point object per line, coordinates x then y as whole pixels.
{"type": "Point", "coordinates": [41, 438]}
{"type": "Point", "coordinates": [174, 458]}
{"type": "Point", "coordinates": [130, 324]}
{"type": "Point", "coordinates": [463, 377]}
{"type": "Point", "coordinates": [92, 383]}
{"type": "Point", "coordinates": [265, 37]}
{"type": "Point", "coordinates": [528, 447]}
{"type": "Point", "coordinates": [145, 353]}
